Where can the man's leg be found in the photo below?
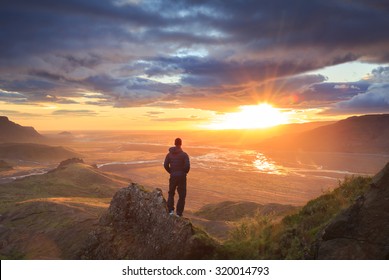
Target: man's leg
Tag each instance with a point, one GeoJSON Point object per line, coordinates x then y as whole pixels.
{"type": "Point", "coordinates": [181, 189]}
{"type": "Point", "coordinates": [172, 190]}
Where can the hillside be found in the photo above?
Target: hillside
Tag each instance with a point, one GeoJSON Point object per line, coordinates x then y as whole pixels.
{"type": "Point", "coordinates": [350, 222]}
{"type": "Point", "coordinates": [4, 166]}
{"type": "Point", "coordinates": [363, 134]}
{"type": "Point", "coordinates": [63, 215]}
{"type": "Point", "coordinates": [50, 216]}
{"type": "Point", "coordinates": [234, 211]}
{"type": "Point", "coordinates": [220, 219]}
{"type": "Point", "coordinates": [362, 230]}
{"type": "Point", "coordinates": [35, 152]}
{"type": "Point", "coordinates": [12, 132]}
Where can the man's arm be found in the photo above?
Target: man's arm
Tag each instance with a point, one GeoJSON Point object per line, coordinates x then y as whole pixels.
{"type": "Point", "coordinates": [166, 164]}
{"type": "Point", "coordinates": [187, 163]}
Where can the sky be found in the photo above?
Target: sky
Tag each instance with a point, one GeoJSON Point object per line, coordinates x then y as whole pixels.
{"type": "Point", "coordinates": [133, 64]}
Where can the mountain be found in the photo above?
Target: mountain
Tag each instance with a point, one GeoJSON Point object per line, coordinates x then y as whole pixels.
{"type": "Point", "coordinates": [50, 216]}
{"type": "Point", "coordinates": [362, 134]}
{"type": "Point", "coordinates": [12, 132]}
{"type": "Point", "coordinates": [35, 152]}
{"type": "Point", "coordinates": [362, 230]}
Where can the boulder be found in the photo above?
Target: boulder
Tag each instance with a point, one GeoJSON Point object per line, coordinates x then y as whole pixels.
{"type": "Point", "coordinates": [137, 226]}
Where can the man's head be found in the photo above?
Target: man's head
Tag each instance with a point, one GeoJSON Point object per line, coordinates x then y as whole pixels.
{"type": "Point", "coordinates": [178, 142]}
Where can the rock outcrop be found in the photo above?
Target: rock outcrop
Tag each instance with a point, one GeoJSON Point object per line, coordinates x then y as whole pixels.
{"type": "Point", "coordinates": [69, 161]}
{"type": "Point", "coordinates": [361, 231]}
{"type": "Point", "coordinates": [138, 226]}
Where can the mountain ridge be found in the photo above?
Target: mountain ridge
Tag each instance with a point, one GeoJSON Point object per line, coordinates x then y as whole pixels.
{"type": "Point", "coordinates": [13, 132]}
{"type": "Point", "coordinates": [357, 134]}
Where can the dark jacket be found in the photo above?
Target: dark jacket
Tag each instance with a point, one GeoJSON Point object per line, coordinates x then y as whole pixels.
{"type": "Point", "coordinates": [177, 162]}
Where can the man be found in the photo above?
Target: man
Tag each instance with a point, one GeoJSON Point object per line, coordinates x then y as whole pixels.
{"type": "Point", "coordinates": [177, 165]}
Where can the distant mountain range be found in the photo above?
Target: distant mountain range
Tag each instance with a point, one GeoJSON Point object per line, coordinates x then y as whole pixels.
{"type": "Point", "coordinates": [363, 134]}
{"type": "Point", "coordinates": [12, 132]}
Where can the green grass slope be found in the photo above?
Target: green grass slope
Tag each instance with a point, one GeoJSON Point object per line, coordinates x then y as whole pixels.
{"type": "Point", "coordinates": [49, 216]}
{"type": "Point", "coordinates": [234, 211]}
{"type": "Point", "coordinates": [292, 238]}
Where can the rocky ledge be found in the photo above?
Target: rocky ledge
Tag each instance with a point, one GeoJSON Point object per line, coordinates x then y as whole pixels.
{"type": "Point", "coordinates": [138, 226]}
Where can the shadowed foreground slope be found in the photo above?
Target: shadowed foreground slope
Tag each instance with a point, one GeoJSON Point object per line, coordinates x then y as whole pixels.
{"type": "Point", "coordinates": [361, 231]}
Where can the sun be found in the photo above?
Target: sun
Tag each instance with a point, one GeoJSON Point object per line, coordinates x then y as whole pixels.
{"type": "Point", "coordinates": [250, 117]}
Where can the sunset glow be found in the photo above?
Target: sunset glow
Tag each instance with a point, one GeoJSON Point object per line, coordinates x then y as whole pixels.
{"type": "Point", "coordinates": [167, 65]}
{"type": "Point", "coordinates": [251, 116]}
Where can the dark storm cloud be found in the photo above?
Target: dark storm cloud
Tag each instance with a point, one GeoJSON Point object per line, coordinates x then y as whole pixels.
{"type": "Point", "coordinates": [128, 92]}
{"type": "Point", "coordinates": [302, 23]}
{"type": "Point", "coordinates": [126, 51]}
{"type": "Point", "coordinates": [200, 72]}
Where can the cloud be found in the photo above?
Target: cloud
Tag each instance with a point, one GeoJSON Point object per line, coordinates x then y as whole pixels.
{"type": "Point", "coordinates": [154, 114]}
{"type": "Point", "coordinates": [189, 119]}
{"type": "Point", "coordinates": [79, 113]}
{"type": "Point", "coordinates": [374, 100]}
{"type": "Point", "coordinates": [329, 92]}
{"type": "Point", "coordinates": [200, 54]}
{"type": "Point", "coordinates": [379, 75]}
{"type": "Point", "coordinates": [14, 113]}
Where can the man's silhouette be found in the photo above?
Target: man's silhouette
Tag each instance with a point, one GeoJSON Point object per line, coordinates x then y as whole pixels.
{"type": "Point", "coordinates": [177, 165]}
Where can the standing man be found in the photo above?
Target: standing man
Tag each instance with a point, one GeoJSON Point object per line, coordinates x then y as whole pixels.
{"type": "Point", "coordinates": [177, 165]}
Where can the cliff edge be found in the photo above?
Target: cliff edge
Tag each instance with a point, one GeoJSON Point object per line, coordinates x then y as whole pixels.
{"type": "Point", "coordinates": [138, 226]}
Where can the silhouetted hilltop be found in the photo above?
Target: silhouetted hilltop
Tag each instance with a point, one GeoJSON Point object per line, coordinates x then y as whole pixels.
{"type": "Point", "coordinates": [12, 132]}
{"type": "Point", "coordinates": [138, 226]}
{"type": "Point", "coordinates": [35, 152]}
{"type": "Point", "coordinates": [362, 230]}
{"type": "Point", "coordinates": [363, 134]}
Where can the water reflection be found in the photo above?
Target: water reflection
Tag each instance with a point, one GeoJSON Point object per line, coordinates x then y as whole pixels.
{"type": "Point", "coordinates": [266, 165]}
